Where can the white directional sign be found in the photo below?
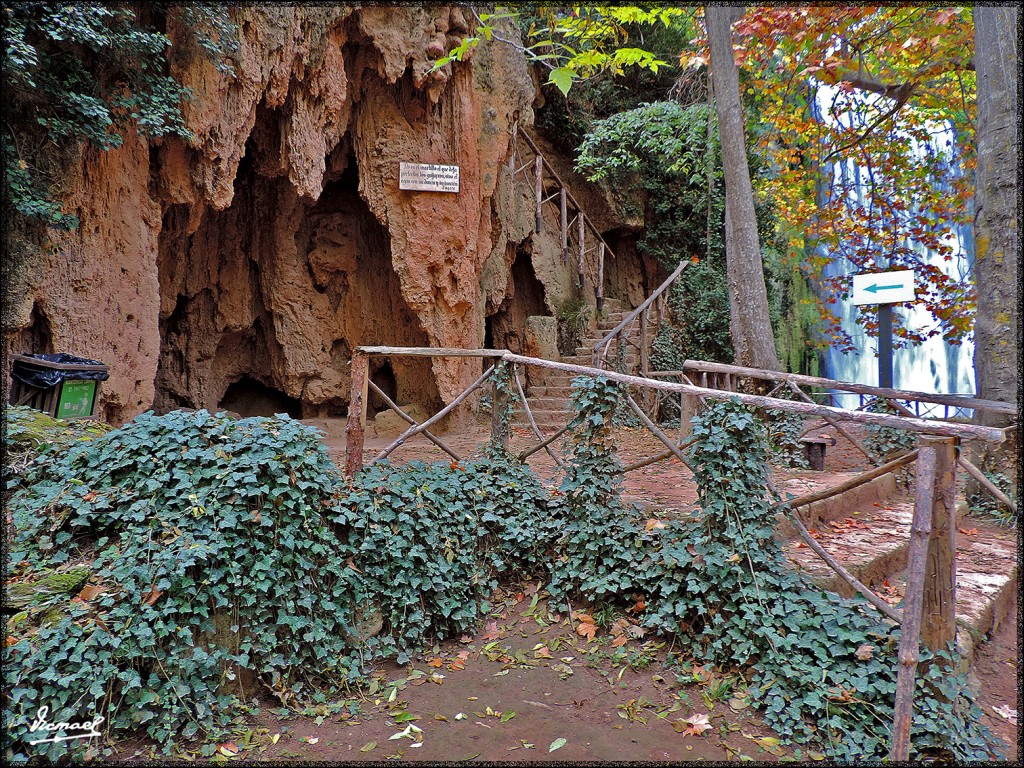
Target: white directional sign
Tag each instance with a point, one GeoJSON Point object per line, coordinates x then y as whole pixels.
{"type": "Point", "coordinates": [428, 177]}
{"type": "Point", "coordinates": [883, 287]}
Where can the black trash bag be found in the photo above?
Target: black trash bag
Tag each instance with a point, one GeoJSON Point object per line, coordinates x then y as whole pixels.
{"type": "Point", "coordinates": [44, 378]}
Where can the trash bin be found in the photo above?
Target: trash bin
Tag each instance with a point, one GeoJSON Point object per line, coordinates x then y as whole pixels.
{"type": "Point", "coordinates": [61, 385]}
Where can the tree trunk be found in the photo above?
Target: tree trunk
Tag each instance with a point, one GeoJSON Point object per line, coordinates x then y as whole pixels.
{"type": "Point", "coordinates": [748, 299]}
{"type": "Point", "coordinates": [996, 237]}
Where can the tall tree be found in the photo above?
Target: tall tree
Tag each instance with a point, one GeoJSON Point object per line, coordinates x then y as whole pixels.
{"type": "Point", "coordinates": [996, 234]}
{"type": "Point", "coordinates": [750, 322]}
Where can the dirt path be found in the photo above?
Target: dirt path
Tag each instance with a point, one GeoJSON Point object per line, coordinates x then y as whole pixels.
{"type": "Point", "coordinates": [525, 688]}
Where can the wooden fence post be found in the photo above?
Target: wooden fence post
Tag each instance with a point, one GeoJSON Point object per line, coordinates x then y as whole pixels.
{"type": "Point", "coordinates": [644, 317]}
{"type": "Point", "coordinates": [538, 180]}
{"type": "Point", "coordinates": [925, 500]}
{"type": "Point", "coordinates": [938, 624]}
{"type": "Point", "coordinates": [599, 288]}
{"type": "Point", "coordinates": [356, 428]}
{"type": "Point", "coordinates": [564, 211]}
{"type": "Point", "coordinates": [580, 232]}
{"type": "Point", "coordinates": [500, 427]}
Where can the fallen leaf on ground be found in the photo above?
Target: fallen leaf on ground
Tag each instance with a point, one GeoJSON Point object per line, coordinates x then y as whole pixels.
{"type": "Point", "coordinates": [90, 591]}
{"type": "Point", "coordinates": [437, 662]}
{"type": "Point", "coordinates": [228, 749]}
{"type": "Point", "coordinates": [619, 641]}
{"type": "Point", "coordinates": [491, 631]}
{"type": "Point", "coordinates": [1004, 711]}
{"type": "Point", "coordinates": [557, 744]}
{"type": "Point", "coordinates": [968, 531]}
{"type": "Point", "coordinates": [696, 724]}
{"type": "Point", "coordinates": [368, 747]}
{"type": "Point", "coordinates": [770, 744]}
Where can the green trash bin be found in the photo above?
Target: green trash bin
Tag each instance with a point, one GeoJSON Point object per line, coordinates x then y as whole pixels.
{"type": "Point", "coordinates": [61, 385]}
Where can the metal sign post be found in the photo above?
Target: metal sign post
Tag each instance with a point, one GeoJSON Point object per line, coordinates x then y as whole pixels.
{"type": "Point", "coordinates": [884, 289]}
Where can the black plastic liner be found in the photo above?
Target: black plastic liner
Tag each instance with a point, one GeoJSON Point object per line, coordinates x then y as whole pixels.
{"type": "Point", "coordinates": [45, 377]}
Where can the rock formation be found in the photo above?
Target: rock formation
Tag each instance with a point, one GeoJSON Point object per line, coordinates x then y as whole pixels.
{"type": "Point", "coordinates": [261, 252]}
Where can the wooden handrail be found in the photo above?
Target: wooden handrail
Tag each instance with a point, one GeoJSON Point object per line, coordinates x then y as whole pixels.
{"type": "Point", "coordinates": [632, 315]}
{"type": "Point", "coordinates": [962, 401]}
{"type": "Point", "coordinates": [558, 179]}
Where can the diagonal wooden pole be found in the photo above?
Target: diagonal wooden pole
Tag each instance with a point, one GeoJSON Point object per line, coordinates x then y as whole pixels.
{"type": "Point", "coordinates": [657, 432]}
{"type": "Point", "coordinates": [530, 451]}
{"type": "Point", "coordinates": [838, 427]}
{"type": "Point", "coordinates": [868, 594]}
{"type": "Point", "coordinates": [529, 415]}
{"type": "Point", "coordinates": [435, 418]}
{"type": "Point", "coordinates": [987, 484]}
{"type": "Point", "coordinates": [426, 433]}
{"type": "Point", "coordinates": [910, 637]}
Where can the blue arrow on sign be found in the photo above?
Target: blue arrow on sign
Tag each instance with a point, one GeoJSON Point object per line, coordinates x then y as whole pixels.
{"type": "Point", "coordinates": [875, 288]}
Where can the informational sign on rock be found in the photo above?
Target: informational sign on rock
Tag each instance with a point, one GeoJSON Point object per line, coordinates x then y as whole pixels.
{"type": "Point", "coordinates": [428, 177]}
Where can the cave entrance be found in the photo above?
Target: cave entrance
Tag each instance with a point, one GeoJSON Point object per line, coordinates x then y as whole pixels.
{"type": "Point", "coordinates": [629, 277]}
{"type": "Point", "coordinates": [383, 375]}
{"type": "Point", "coordinates": [263, 302]}
{"type": "Point", "coordinates": [248, 397]}
{"type": "Point", "coordinates": [506, 328]}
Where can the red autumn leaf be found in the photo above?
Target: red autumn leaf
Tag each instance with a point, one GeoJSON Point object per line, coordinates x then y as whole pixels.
{"type": "Point", "coordinates": [619, 641]}
{"type": "Point", "coordinates": [152, 596]}
{"type": "Point", "coordinates": [435, 662]}
{"type": "Point", "coordinates": [491, 632]}
{"type": "Point", "coordinates": [587, 630]}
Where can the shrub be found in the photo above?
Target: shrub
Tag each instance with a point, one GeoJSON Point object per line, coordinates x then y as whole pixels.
{"type": "Point", "coordinates": [213, 542]}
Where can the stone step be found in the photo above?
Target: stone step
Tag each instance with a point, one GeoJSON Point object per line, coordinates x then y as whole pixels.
{"type": "Point", "coordinates": [871, 538]}
{"type": "Point", "coordinates": [538, 404]}
{"type": "Point", "coordinates": [549, 391]}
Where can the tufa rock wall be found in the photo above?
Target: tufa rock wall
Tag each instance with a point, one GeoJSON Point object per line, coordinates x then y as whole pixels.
{"type": "Point", "coordinates": [277, 240]}
{"type": "Point", "coordinates": [243, 266]}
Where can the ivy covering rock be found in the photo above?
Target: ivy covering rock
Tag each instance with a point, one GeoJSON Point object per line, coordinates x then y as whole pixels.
{"type": "Point", "coordinates": [222, 552]}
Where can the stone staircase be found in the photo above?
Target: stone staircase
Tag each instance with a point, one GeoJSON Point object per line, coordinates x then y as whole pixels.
{"type": "Point", "coordinates": [867, 529]}
{"type": "Point", "coordinates": [549, 391]}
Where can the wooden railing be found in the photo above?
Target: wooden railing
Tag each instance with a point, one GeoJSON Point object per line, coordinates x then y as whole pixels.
{"type": "Point", "coordinates": [642, 315]}
{"type": "Point", "coordinates": [573, 231]}
{"type": "Point", "coordinates": [726, 377]}
{"type": "Point", "coordinates": [931, 570]}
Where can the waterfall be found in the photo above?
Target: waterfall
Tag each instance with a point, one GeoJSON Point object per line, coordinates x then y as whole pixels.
{"type": "Point", "coordinates": [934, 366]}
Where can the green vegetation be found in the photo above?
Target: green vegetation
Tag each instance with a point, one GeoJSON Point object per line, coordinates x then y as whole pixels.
{"type": "Point", "coordinates": [573, 322]}
{"type": "Point", "coordinates": [90, 73]}
{"type": "Point", "coordinates": [216, 546]}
